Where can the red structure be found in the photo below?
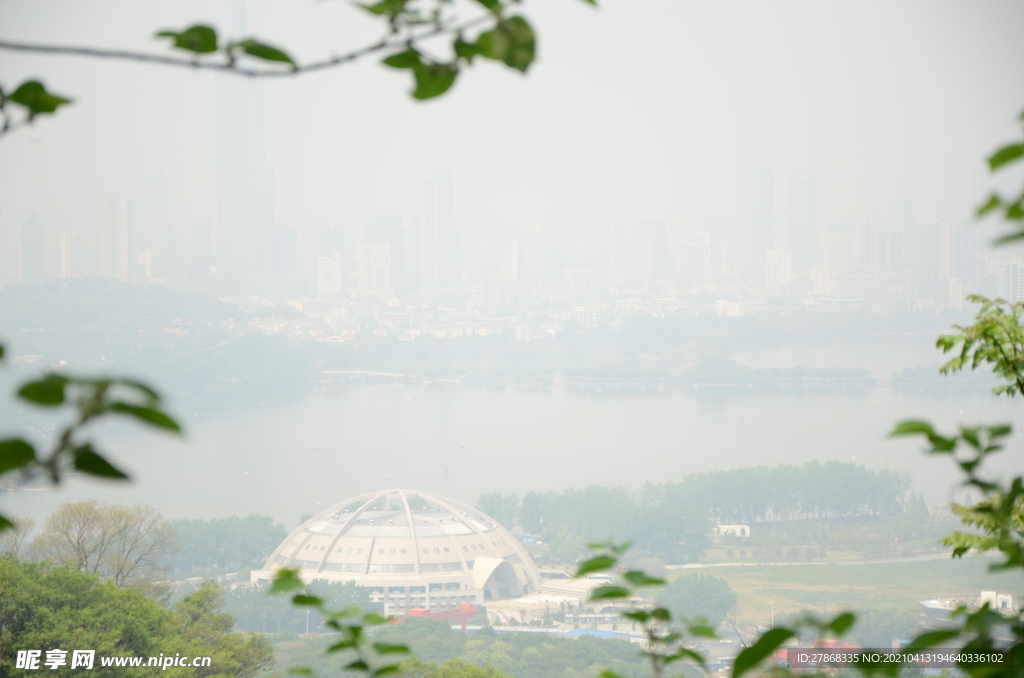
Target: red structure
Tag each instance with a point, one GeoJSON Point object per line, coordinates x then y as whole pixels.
{"type": "Point", "coordinates": [462, 613]}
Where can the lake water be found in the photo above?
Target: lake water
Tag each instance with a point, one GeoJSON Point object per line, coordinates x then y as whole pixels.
{"type": "Point", "coordinates": [462, 440]}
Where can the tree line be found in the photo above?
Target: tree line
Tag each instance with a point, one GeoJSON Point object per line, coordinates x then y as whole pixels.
{"type": "Point", "coordinates": [673, 520]}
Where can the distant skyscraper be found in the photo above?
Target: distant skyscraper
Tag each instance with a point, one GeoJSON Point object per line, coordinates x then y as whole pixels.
{"type": "Point", "coordinates": [929, 262]}
{"type": "Point", "coordinates": [803, 224]}
{"type": "Point", "coordinates": [758, 219]}
{"type": "Point", "coordinates": [582, 284]}
{"type": "Point", "coordinates": [778, 269]}
{"type": "Point", "coordinates": [899, 247]}
{"type": "Point", "coordinates": [116, 251]}
{"type": "Point", "coordinates": [375, 268]}
{"type": "Point", "coordinates": [33, 250]}
{"type": "Point", "coordinates": [245, 208]}
{"type": "Point", "coordinates": [68, 268]}
{"type": "Point", "coordinates": [149, 224]}
{"type": "Point", "coordinates": [838, 248]}
{"type": "Point", "coordinates": [867, 237]}
{"type": "Point", "coordinates": [329, 276]}
{"type": "Point", "coordinates": [389, 230]}
{"type": "Point", "coordinates": [963, 253]}
{"type": "Point", "coordinates": [442, 243]}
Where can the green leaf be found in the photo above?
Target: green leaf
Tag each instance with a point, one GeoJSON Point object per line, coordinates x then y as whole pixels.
{"type": "Point", "coordinates": [5, 524]}
{"type": "Point", "coordinates": [765, 645]}
{"type": "Point", "coordinates": [15, 453]}
{"type": "Point", "coordinates": [1005, 155]}
{"type": "Point", "coordinates": [302, 599]}
{"type": "Point", "coordinates": [265, 52]}
{"type": "Point", "coordinates": [639, 579]}
{"type": "Point", "coordinates": [1, 345]}
{"type": "Point", "coordinates": [512, 41]}
{"type": "Point", "coordinates": [88, 461]}
{"type": "Point", "coordinates": [146, 414]}
{"type": "Point", "coordinates": [300, 670]}
{"type": "Point", "coordinates": [703, 632]}
{"type": "Point", "coordinates": [48, 391]}
{"type": "Point", "coordinates": [286, 580]}
{"type": "Point", "coordinates": [466, 50]}
{"type": "Point", "coordinates": [410, 58]}
{"type": "Point", "coordinates": [32, 95]}
{"type": "Point", "coordinates": [433, 80]}
{"type": "Point", "coordinates": [358, 665]}
{"type": "Point", "coordinates": [198, 39]}
{"type": "Point", "coordinates": [842, 623]}
{"type": "Point", "coordinates": [607, 592]}
{"type": "Point", "coordinates": [490, 4]}
{"type": "Point", "coordinates": [386, 670]}
{"type": "Point", "coordinates": [909, 428]}
{"type": "Point", "coordinates": [142, 388]}
{"type": "Point", "coordinates": [993, 202]}
{"type": "Point", "coordinates": [385, 648]}
{"type": "Point", "coordinates": [596, 564]}
{"type": "Point", "coordinates": [930, 639]}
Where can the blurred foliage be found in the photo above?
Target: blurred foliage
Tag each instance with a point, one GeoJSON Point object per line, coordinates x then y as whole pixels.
{"type": "Point", "coordinates": [51, 607]}
{"type": "Point", "coordinates": [996, 339]}
{"type": "Point", "coordinates": [222, 545]}
{"type": "Point", "coordinates": [255, 610]}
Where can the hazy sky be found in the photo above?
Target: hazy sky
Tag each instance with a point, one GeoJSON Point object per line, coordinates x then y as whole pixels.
{"type": "Point", "coordinates": [637, 109]}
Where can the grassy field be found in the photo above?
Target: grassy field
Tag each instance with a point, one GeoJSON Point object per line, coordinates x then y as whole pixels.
{"type": "Point", "coordinates": [829, 588]}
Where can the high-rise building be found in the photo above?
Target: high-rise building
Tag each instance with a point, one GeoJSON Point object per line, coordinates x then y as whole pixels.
{"type": "Point", "coordinates": [68, 268]}
{"type": "Point", "coordinates": [330, 276]}
{"type": "Point", "coordinates": [33, 250]}
{"type": "Point", "coordinates": [245, 208]}
{"type": "Point", "coordinates": [758, 220]}
{"type": "Point", "coordinates": [963, 253]}
{"type": "Point", "coordinates": [778, 269]}
{"type": "Point", "coordinates": [116, 250]}
{"type": "Point", "coordinates": [838, 248]}
{"type": "Point", "coordinates": [867, 239]}
{"type": "Point", "coordinates": [442, 242]}
{"type": "Point", "coordinates": [692, 260]}
{"type": "Point", "coordinates": [930, 262]}
{"type": "Point", "coordinates": [389, 230]}
{"type": "Point", "coordinates": [803, 224]}
{"type": "Point", "coordinates": [375, 268]}
{"type": "Point", "coordinates": [582, 284]}
{"type": "Point", "coordinates": [1011, 283]}
{"type": "Point", "coordinates": [149, 223]}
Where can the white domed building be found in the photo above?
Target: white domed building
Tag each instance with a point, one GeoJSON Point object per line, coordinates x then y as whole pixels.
{"type": "Point", "coordinates": [411, 549]}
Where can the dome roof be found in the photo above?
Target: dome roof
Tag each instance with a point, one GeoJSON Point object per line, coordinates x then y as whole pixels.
{"type": "Point", "coordinates": [434, 551]}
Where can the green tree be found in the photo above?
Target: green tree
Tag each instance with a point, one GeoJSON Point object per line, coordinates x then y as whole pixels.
{"type": "Point", "coordinates": [128, 545]}
{"type": "Point", "coordinates": [697, 596]}
{"type": "Point", "coordinates": [221, 545]}
{"type": "Point", "coordinates": [46, 607]}
{"type": "Point", "coordinates": [501, 507]}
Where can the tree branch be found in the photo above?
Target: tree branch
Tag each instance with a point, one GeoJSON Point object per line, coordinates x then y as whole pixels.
{"type": "Point", "coordinates": [384, 44]}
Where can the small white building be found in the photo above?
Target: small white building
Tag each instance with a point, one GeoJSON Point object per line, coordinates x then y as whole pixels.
{"type": "Point", "coordinates": [732, 531]}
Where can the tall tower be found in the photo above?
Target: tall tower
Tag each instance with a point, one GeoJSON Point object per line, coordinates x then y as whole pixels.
{"type": "Point", "coordinates": [149, 220]}
{"type": "Point", "coordinates": [388, 230]}
{"type": "Point", "coordinates": [803, 224]}
{"type": "Point", "coordinates": [33, 250]}
{"type": "Point", "coordinates": [245, 207]}
{"type": "Point", "coordinates": [116, 240]}
{"type": "Point", "coordinates": [442, 246]}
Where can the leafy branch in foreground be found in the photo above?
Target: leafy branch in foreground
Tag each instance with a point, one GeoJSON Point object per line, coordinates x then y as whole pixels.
{"type": "Point", "coordinates": [996, 338]}
{"type": "Point", "coordinates": [665, 636]}
{"type": "Point", "coordinates": [502, 36]}
{"type": "Point", "coordinates": [362, 655]}
{"type": "Point", "coordinates": [1010, 208]}
{"type": "Point", "coordinates": [91, 399]}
